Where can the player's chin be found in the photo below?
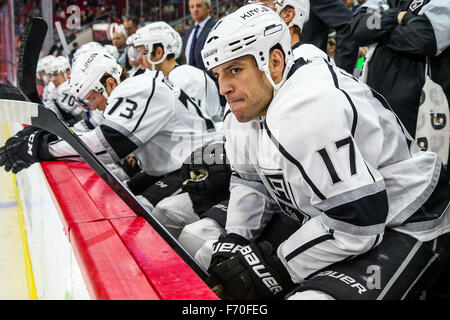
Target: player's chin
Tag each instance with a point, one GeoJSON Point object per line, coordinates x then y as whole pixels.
{"type": "Point", "coordinates": [242, 116]}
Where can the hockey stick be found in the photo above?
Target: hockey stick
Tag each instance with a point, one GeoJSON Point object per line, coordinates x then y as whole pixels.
{"type": "Point", "coordinates": [36, 114]}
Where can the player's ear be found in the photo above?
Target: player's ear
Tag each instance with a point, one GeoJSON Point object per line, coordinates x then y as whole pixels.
{"type": "Point", "coordinates": [287, 14]}
{"type": "Point", "coordinates": [110, 85]}
{"type": "Point", "coordinates": [160, 51]}
{"type": "Point", "coordinates": [276, 65]}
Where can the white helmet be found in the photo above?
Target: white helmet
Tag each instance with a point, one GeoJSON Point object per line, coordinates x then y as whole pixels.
{"type": "Point", "coordinates": [301, 8]}
{"type": "Point", "coordinates": [87, 71]}
{"type": "Point", "coordinates": [251, 30]}
{"type": "Point", "coordinates": [112, 50]}
{"type": "Point", "coordinates": [44, 63]}
{"type": "Point", "coordinates": [159, 32]}
{"type": "Point", "coordinates": [59, 64]}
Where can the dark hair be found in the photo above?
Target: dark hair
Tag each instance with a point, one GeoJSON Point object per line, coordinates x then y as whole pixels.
{"type": "Point", "coordinates": [123, 76]}
{"type": "Point", "coordinates": [279, 47]}
{"type": "Point", "coordinates": [297, 29]}
{"type": "Point", "coordinates": [133, 19]}
{"type": "Point", "coordinates": [159, 45]}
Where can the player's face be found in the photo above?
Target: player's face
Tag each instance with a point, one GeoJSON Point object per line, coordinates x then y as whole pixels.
{"type": "Point", "coordinates": [142, 54]}
{"type": "Point", "coordinates": [246, 88]}
{"type": "Point", "coordinates": [57, 78]}
{"type": "Point", "coordinates": [199, 10]}
{"type": "Point", "coordinates": [96, 100]}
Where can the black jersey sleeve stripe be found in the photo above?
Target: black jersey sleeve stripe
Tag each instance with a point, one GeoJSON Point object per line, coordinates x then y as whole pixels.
{"type": "Point", "coordinates": [300, 62]}
{"type": "Point", "coordinates": [295, 162]}
{"type": "Point", "coordinates": [373, 179]}
{"type": "Point", "coordinates": [120, 143]}
{"type": "Point", "coordinates": [367, 211]}
{"type": "Point", "coordinates": [309, 245]}
{"type": "Point", "coordinates": [436, 204]}
{"type": "Point", "coordinates": [184, 98]}
{"type": "Point", "coordinates": [89, 125]}
{"type": "Point", "coordinates": [148, 103]}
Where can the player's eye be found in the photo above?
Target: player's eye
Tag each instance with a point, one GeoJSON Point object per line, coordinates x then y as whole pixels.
{"type": "Point", "coordinates": [235, 70]}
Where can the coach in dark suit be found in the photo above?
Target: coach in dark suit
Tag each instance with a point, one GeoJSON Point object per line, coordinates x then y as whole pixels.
{"type": "Point", "coordinates": [195, 37]}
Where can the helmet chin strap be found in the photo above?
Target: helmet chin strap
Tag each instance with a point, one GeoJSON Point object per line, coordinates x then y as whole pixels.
{"type": "Point", "coordinates": [152, 63]}
{"type": "Point", "coordinates": [275, 86]}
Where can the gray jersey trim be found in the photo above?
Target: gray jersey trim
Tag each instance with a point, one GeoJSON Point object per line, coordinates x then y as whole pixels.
{"type": "Point", "coordinates": [351, 195]}
{"type": "Point", "coordinates": [255, 185]}
{"type": "Point", "coordinates": [248, 176]}
{"type": "Point", "coordinates": [352, 229]}
{"type": "Point", "coordinates": [123, 131]}
{"type": "Point", "coordinates": [415, 205]}
{"type": "Point", "coordinates": [425, 225]}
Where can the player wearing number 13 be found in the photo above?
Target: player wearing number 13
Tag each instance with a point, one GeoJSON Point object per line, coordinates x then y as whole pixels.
{"type": "Point", "coordinates": [142, 114]}
{"type": "Point", "coordinates": [330, 152]}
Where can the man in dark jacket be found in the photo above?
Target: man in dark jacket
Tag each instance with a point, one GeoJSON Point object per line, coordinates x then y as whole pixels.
{"type": "Point", "coordinates": [407, 31]}
{"type": "Point", "coordinates": [195, 37]}
{"type": "Point", "coordinates": [326, 16]}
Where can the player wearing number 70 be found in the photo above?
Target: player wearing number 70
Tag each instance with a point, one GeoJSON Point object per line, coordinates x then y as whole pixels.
{"type": "Point", "coordinates": [63, 102]}
{"type": "Point", "coordinates": [328, 149]}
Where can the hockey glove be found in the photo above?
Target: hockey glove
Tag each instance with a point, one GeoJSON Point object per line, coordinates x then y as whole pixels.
{"type": "Point", "coordinates": [226, 247]}
{"type": "Point", "coordinates": [22, 150]}
{"type": "Point", "coordinates": [253, 273]}
{"type": "Point", "coordinates": [206, 175]}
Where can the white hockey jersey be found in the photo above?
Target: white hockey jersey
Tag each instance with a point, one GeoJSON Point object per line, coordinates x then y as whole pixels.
{"type": "Point", "coordinates": [146, 115]}
{"type": "Point", "coordinates": [92, 119]}
{"type": "Point", "coordinates": [198, 85]}
{"type": "Point", "coordinates": [337, 160]}
{"type": "Point", "coordinates": [48, 95]}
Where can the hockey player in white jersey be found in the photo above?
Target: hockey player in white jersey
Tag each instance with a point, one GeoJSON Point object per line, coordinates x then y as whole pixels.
{"type": "Point", "coordinates": [158, 46]}
{"type": "Point", "coordinates": [328, 150]}
{"type": "Point", "coordinates": [142, 114]}
{"type": "Point", "coordinates": [199, 236]}
{"type": "Point", "coordinates": [44, 68]}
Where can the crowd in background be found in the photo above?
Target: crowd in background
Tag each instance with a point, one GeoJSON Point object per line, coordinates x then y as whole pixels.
{"type": "Point", "coordinates": [115, 11]}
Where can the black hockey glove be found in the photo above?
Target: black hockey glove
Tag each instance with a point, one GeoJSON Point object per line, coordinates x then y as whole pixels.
{"type": "Point", "coordinates": [22, 150]}
{"type": "Point", "coordinates": [253, 273]}
{"type": "Point", "coordinates": [206, 175]}
{"type": "Point", "coordinates": [226, 247]}
{"type": "Point", "coordinates": [413, 10]}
